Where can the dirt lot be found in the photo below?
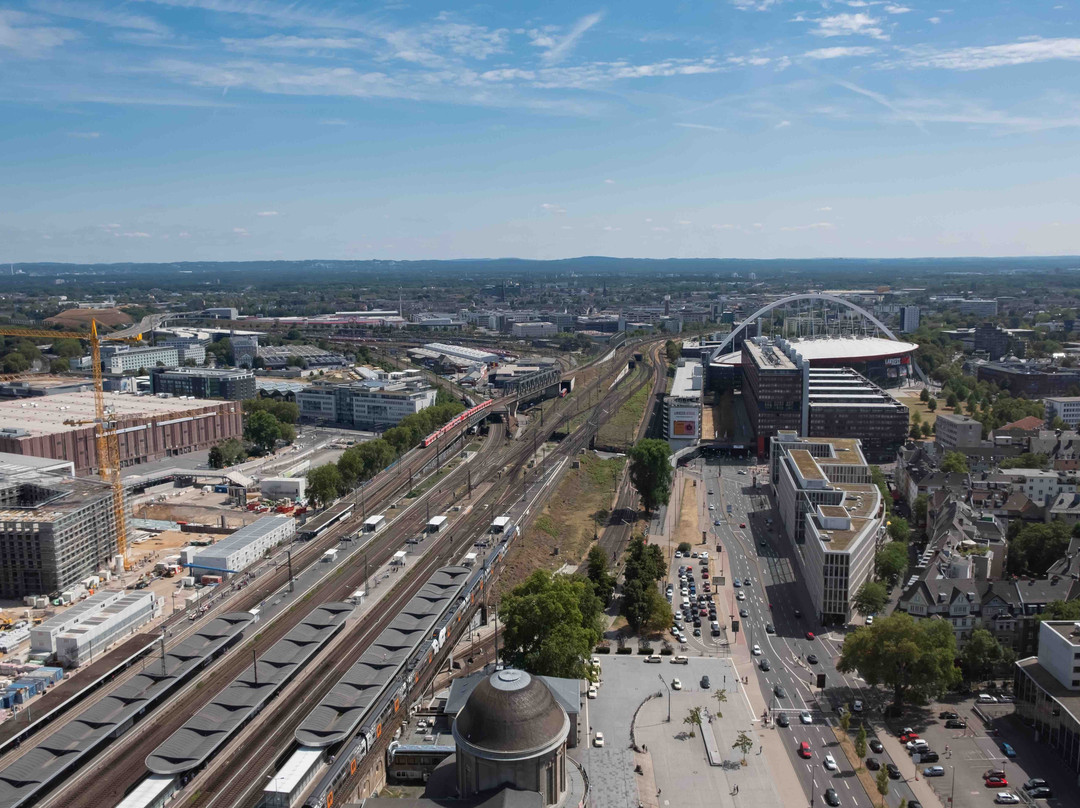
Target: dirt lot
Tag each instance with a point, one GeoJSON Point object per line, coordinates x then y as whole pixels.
{"type": "Point", "coordinates": [79, 319]}
{"type": "Point", "coordinates": [196, 514]}
{"type": "Point", "coordinates": [566, 521]}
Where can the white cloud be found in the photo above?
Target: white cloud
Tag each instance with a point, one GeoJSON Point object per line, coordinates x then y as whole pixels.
{"type": "Point", "coordinates": [840, 52]}
{"type": "Point", "coordinates": [609, 182]}
{"type": "Point", "coordinates": [241, 231]}
{"type": "Point", "coordinates": [281, 42]}
{"type": "Point", "coordinates": [825, 209]}
{"type": "Point", "coordinates": [183, 234]}
{"type": "Point", "coordinates": [782, 125]}
{"type": "Point", "coordinates": [980, 58]}
{"type": "Point", "coordinates": [111, 226]}
{"type": "Point", "coordinates": [703, 126]}
{"type": "Point", "coordinates": [333, 122]}
{"type": "Point", "coordinates": [883, 101]}
{"type": "Point", "coordinates": [814, 226]}
{"type": "Point", "coordinates": [19, 32]}
{"type": "Point", "coordinates": [85, 135]}
{"type": "Point", "coordinates": [609, 229]}
{"type": "Point", "coordinates": [134, 234]}
{"type": "Point", "coordinates": [684, 222]}
{"type": "Point", "coordinates": [661, 229]}
{"type": "Point", "coordinates": [113, 18]}
{"type": "Point", "coordinates": [934, 20]}
{"type": "Point", "coordinates": [754, 5]}
{"type": "Point", "coordinates": [893, 8]}
{"type": "Point", "coordinates": [559, 47]}
{"type": "Point", "coordinates": [550, 207]}
{"type": "Point", "coordinates": [267, 213]}
{"type": "Point", "coordinates": [859, 24]}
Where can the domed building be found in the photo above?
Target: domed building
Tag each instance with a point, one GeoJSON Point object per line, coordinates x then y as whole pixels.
{"type": "Point", "coordinates": [512, 732]}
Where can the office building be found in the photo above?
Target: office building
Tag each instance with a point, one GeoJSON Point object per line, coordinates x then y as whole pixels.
{"type": "Point", "coordinates": [368, 404]}
{"type": "Point", "coordinates": [1047, 690]}
{"type": "Point", "coordinates": [534, 330]}
{"type": "Point", "coordinates": [283, 487]}
{"type": "Point", "coordinates": [991, 340]}
{"type": "Point", "coordinates": [243, 548]}
{"type": "Point", "coordinates": [682, 406]}
{"type": "Point", "coordinates": [55, 530]}
{"type": "Point", "coordinates": [221, 313]}
{"type": "Point", "coordinates": [831, 512]}
{"type": "Point", "coordinates": [774, 388]}
{"type": "Point", "coordinates": [956, 431]}
{"type": "Point", "coordinates": [187, 348]}
{"type": "Point", "coordinates": [232, 385]}
{"type": "Point", "coordinates": [62, 427]}
{"type": "Point", "coordinates": [1067, 408]}
{"type": "Point", "coordinates": [1029, 379]}
{"type": "Point", "coordinates": [92, 636]}
{"type": "Point", "coordinates": [909, 319]}
{"type": "Point", "coordinates": [121, 359]}
{"type": "Point", "coordinates": [245, 347]}
{"type": "Point", "coordinates": [982, 308]}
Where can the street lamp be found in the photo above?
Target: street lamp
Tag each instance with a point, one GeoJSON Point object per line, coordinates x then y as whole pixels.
{"type": "Point", "coordinates": [660, 676]}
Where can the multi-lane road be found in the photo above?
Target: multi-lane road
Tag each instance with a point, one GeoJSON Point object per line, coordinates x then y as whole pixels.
{"type": "Point", "coordinates": [776, 597]}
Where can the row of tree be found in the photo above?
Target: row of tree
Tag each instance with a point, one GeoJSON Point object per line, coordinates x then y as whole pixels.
{"type": "Point", "coordinates": [266, 423]}
{"type": "Point", "coordinates": [644, 608]}
{"type": "Point", "coordinates": [362, 462]}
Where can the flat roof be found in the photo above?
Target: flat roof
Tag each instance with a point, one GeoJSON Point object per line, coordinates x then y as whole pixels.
{"type": "Point", "coordinates": [807, 465]}
{"type": "Point", "coordinates": [1064, 629]}
{"type": "Point", "coordinates": [763, 353]}
{"type": "Point", "coordinates": [1069, 699]}
{"type": "Point", "coordinates": [243, 537]}
{"type": "Point", "coordinates": [45, 415]}
{"type": "Point", "coordinates": [833, 349]}
{"type": "Point", "coordinates": [375, 519]}
{"type": "Point", "coordinates": [294, 771]}
{"type": "Point", "coordinates": [57, 494]}
{"type": "Point", "coordinates": [688, 380]}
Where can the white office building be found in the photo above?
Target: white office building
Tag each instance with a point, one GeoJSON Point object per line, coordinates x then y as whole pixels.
{"type": "Point", "coordinates": [534, 329]}
{"type": "Point", "coordinates": [81, 644]}
{"type": "Point", "coordinates": [909, 319]}
{"type": "Point", "coordinates": [372, 404]}
{"type": "Point", "coordinates": [120, 359]}
{"type": "Point", "coordinates": [831, 512]}
{"type": "Point", "coordinates": [1066, 408]}
{"type": "Point", "coordinates": [244, 547]}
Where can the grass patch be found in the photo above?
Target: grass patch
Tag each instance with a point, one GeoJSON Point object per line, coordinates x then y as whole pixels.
{"type": "Point", "coordinates": [621, 429]}
{"type": "Point", "coordinates": [866, 777]}
{"type": "Point", "coordinates": [565, 522]}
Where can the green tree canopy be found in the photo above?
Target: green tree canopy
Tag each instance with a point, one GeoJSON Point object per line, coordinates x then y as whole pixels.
{"type": "Point", "coordinates": [922, 503]}
{"type": "Point", "coordinates": [915, 658]}
{"type": "Point", "coordinates": [899, 530]}
{"type": "Point", "coordinates": [262, 430]}
{"type": "Point", "coordinates": [980, 656]}
{"type": "Point", "coordinates": [285, 411]}
{"type": "Point", "coordinates": [954, 463]}
{"type": "Point", "coordinates": [877, 476]}
{"type": "Point", "coordinates": [552, 622]}
{"type": "Point", "coordinates": [870, 598]}
{"type": "Point", "coordinates": [1034, 546]}
{"type": "Point", "coordinates": [597, 572]}
{"type": "Point", "coordinates": [1061, 610]}
{"type": "Point", "coordinates": [324, 484]}
{"type": "Point", "coordinates": [1028, 460]}
{"type": "Point", "coordinates": [892, 562]}
{"type": "Point", "coordinates": [650, 472]}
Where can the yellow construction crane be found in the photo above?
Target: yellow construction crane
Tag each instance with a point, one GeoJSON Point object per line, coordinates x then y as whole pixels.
{"type": "Point", "coordinates": [108, 447]}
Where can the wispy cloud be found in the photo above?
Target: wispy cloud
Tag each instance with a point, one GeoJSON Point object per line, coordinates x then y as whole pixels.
{"type": "Point", "coordinates": [840, 52]}
{"type": "Point", "coordinates": [813, 226]}
{"type": "Point", "coordinates": [22, 34]}
{"type": "Point", "coordinates": [241, 231]}
{"type": "Point", "coordinates": [987, 56]}
{"type": "Point", "coordinates": [895, 8]}
{"type": "Point", "coordinates": [111, 17]}
{"type": "Point", "coordinates": [883, 101]}
{"type": "Point", "coordinates": [85, 135]}
{"type": "Point", "coordinates": [559, 47]}
{"type": "Point", "coordinates": [858, 24]}
{"type": "Point", "coordinates": [267, 213]}
{"type": "Point", "coordinates": [706, 127]}
{"type": "Point", "coordinates": [609, 182]}
{"type": "Point", "coordinates": [782, 125]}
{"type": "Point", "coordinates": [550, 207]}
{"type": "Point", "coordinates": [825, 209]}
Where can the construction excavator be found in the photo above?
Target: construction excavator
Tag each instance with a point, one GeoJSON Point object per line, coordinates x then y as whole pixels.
{"type": "Point", "coordinates": [107, 444]}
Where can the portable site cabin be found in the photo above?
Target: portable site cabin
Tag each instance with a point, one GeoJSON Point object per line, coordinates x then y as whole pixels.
{"type": "Point", "coordinates": [373, 524]}
{"type": "Point", "coordinates": [500, 524]}
{"type": "Point", "coordinates": [436, 524]}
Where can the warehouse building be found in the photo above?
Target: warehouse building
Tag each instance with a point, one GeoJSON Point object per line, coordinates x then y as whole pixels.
{"type": "Point", "coordinates": [368, 404]}
{"type": "Point", "coordinates": [231, 385]}
{"type": "Point", "coordinates": [62, 427]}
{"type": "Point", "coordinates": [244, 547]}
{"type": "Point", "coordinates": [43, 636]}
{"type": "Point", "coordinates": [831, 512]}
{"type": "Point", "coordinates": [283, 487]}
{"type": "Point", "coordinates": [279, 356]}
{"type": "Point", "coordinates": [91, 637]}
{"type": "Point", "coordinates": [461, 352]}
{"type": "Point", "coordinates": [55, 530]}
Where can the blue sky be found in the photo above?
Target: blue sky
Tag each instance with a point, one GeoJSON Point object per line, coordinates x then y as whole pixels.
{"type": "Point", "coordinates": [160, 130]}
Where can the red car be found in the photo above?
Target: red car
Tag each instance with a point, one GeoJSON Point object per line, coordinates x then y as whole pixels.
{"type": "Point", "coordinates": [809, 635]}
{"type": "Point", "coordinates": [995, 782]}
{"type": "Point", "coordinates": [909, 736]}
{"type": "Point", "coordinates": [742, 524]}
{"type": "Point", "coordinates": [804, 750]}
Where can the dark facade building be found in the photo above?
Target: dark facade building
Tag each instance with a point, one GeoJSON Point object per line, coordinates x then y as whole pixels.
{"type": "Point", "coordinates": [992, 339]}
{"type": "Point", "coordinates": [772, 390]}
{"type": "Point", "coordinates": [1022, 378]}
{"type": "Point", "coordinates": [231, 385]}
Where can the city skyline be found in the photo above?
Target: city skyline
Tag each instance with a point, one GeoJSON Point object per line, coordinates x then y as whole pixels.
{"type": "Point", "coordinates": [218, 130]}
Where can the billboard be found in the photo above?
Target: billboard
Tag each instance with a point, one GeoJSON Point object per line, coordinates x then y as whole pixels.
{"type": "Point", "coordinates": [683, 429]}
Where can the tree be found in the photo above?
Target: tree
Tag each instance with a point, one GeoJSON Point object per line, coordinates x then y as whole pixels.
{"type": "Point", "coordinates": [1058, 423]}
{"type": "Point", "coordinates": [744, 744]}
{"type": "Point", "coordinates": [914, 432]}
{"type": "Point", "coordinates": [892, 562]}
{"type": "Point", "coordinates": [979, 656]}
{"type": "Point", "coordinates": [67, 348]}
{"type": "Point", "coordinates": [952, 401]}
{"type": "Point", "coordinates": [882, 782]}
{"type": "Point", "coordinates": [924, 395]}
{"type": "Point", "coordinates": [913, 657]}
{"type": "Point", "coordinates": [927, 430]}
{"type": "Point", "coordinates": [693, 718]}
{"type": "Point", "coordinates": [922, 504]}
{"type": "Point", "coordinates": [916, 417]}
{"type": "Point", "coordinates": [870, 598]}
{"type": "Point", "coordinates": [597, 572]}
{"type": "Point", "coordinates": [931, 404]}
{"type": "Point", "coordinates": [351, 467]}
{"type": "Point", "coordinates": [954, 463]}
{"type": "Point", "coordinates": [227, 453]}
{"type": "Point", "coordinates": [1060, 610]}
{"type": "Point", "coordinates": [877, 476]}
{"type": "Point", "coordinates": [1034, 546]}
{"type": "Point", "coordinates": [685, 548]}
{"type": "Point", "coordinates": [1028, 460]}
{"type": "Point", "coordinates": [215, 460]}
{"type": "Point", "coordinates": [59, 366]}
{"type": "Point", "coordinates": [720, 694]}
{"type": "Point", "coordinates": [672, 350]}
{"type": "Point", "coordinates": [261, 429]}
{"type": "Point", "coordinates": [552, 622]}
{"type": "Point", "coordinates": [845, 721]}
{"type": "Point", "coordinates": [898, 529]}
{"type": "Point", "coordinates": [860, 742]}
{"type": "Point", "coordinates": [650, 472]}
{"type": "Point", "coordinates": [324, 484]}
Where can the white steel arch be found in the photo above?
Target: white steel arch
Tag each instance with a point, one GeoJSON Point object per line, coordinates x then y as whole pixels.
{"type": "Point", "coordinates": [719, 351]}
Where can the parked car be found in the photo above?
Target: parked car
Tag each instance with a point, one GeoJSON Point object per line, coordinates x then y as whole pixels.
{"type": "Point", "coordinates": [908, 734]}
{"type": "Point", "coordinates": [929, 756]}
{"type": "Point", "coordinates": [996, 782]}
{"type": "Point", "coordinates": [809, 635]}
{"type": "Point", "coordinates": [993, 773]}
{"type": "Point", "coordinates": [592, 692]}
{"type": "Point", "coordinates": [986, 698]}
{"type": "Point", "coordinates": [742, 524]}
{"type": "Point", "coordinates": [1034, 782]}
{"type": "Point", "coordinates": [1042, 793]}
{"type": "Point", "coordinates": [1006, 798]}
{"type": "Point", "coordinates": [680, 660]}
{"type": "Point", "coordinates": [654, 658]}
{"type": "Point", "coordinates": [1007, 750]}
{"type": "Point", "coordinates": [934, 771]}
{"type": "Point", "coordinates": [956, 723]}
{"type": "Point", "coordinates": [857, 706]}
{"type": "Point", "coordinates": [705, 683]}
{"type": "Point", "coordinates": [676, 684]}
{"type": "Point", "coordinates": [948, 714]}
{"type": "Point", "coordinates": [598, 739]}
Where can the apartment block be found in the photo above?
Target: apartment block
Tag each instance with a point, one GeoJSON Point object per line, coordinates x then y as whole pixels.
{"type": "Point", "coordinates": [957, 431]}
{"type": "Point", "coordinates": [369, 404]}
